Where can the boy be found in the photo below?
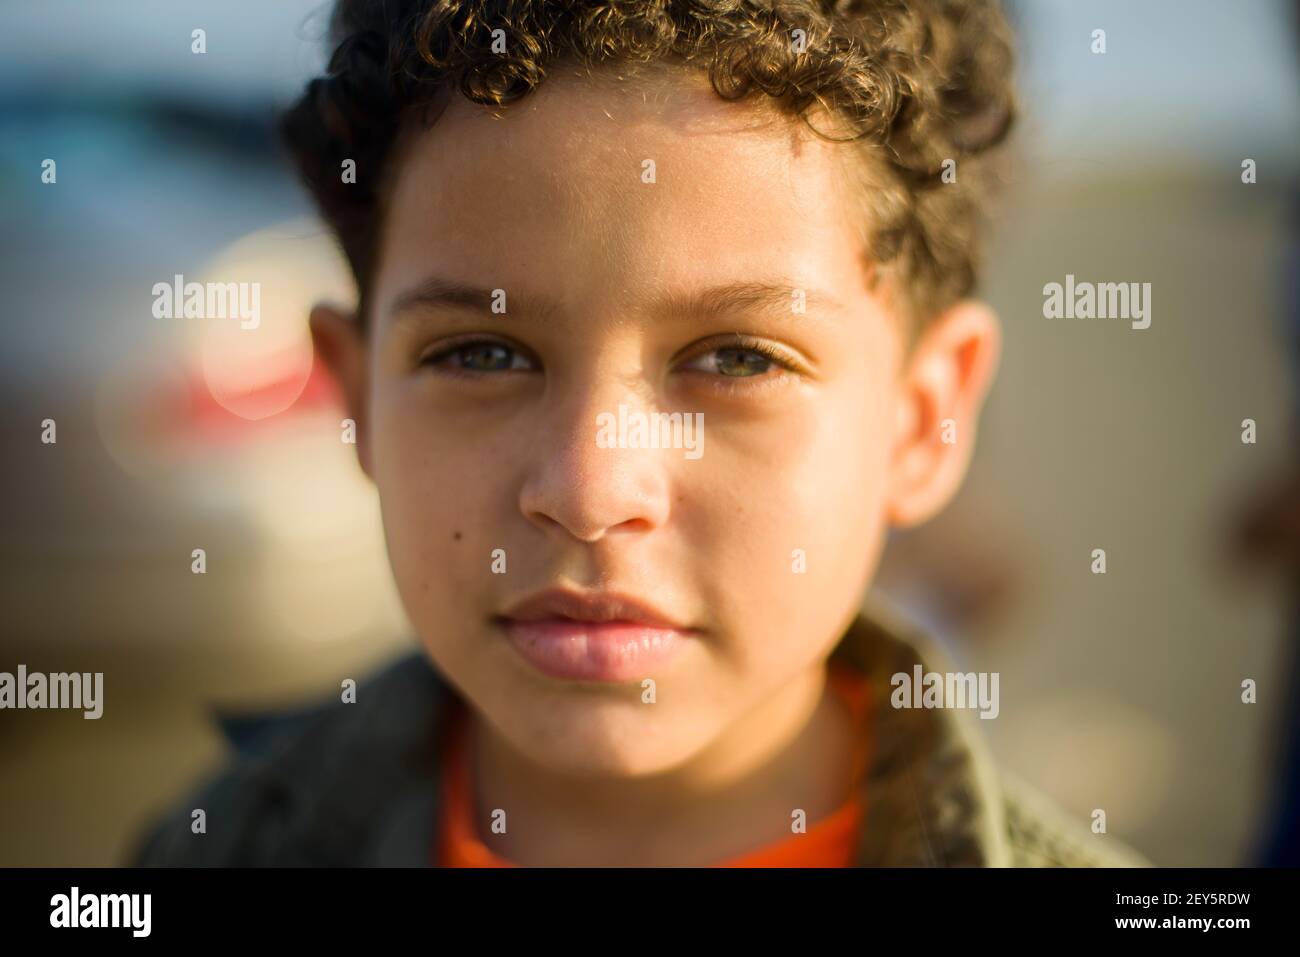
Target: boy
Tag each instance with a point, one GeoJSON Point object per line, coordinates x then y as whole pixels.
{"type": "Point", "coordinates": [662, 322]}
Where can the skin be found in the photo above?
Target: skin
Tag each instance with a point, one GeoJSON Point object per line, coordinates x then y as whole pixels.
{"type": "Point", "coordinates": [546, 201]}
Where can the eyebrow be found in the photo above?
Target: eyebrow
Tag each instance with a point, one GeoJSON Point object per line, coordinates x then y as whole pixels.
{"type": "Point", "coordinates": [774, 298]}
{"type": "Point", "coordinates": [438, 293]}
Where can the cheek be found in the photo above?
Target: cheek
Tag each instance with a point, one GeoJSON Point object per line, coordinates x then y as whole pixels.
{"type": "Point", "coordinates": [439, 496]}
{"type": "Point", "coordinates": [791, 522]}
{"type": "Point", "coordinates": [844, 463]}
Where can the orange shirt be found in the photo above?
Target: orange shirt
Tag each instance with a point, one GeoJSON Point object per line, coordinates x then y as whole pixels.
{"type": "Point", "coordinates": [828, 842]}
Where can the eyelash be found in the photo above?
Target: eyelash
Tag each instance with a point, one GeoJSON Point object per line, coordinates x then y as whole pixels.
{"type": "Point", "coordinates": [728, 384]}
{"type": "Point", "coordinates": [733, 385]}
{"type": "Point", "coordinates": [446, 352]}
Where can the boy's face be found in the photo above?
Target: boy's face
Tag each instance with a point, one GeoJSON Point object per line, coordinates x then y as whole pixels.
{"type": "Point", "coordinates": [487, 434]}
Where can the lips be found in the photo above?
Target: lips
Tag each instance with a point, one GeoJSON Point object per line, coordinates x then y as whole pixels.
{"type": "Point", "coordinates": [599, 636]}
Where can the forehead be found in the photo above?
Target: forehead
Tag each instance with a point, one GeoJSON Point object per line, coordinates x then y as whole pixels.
{"type": "Point", "coordinates": [639, 182]}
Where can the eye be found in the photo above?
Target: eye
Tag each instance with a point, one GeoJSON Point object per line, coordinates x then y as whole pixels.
{"type": "Point", "coordinates": [737, 362]}
{"type": "Point", "coordinates": [747, 359]}
{"type": "Point", "coordinates": [479, 356]}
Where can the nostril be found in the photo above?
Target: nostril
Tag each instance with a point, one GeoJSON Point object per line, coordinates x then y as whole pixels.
{"type": "Point", "coordinates": [632, 525]}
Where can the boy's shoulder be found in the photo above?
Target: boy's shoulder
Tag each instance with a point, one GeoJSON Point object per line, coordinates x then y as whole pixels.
{"type": "Point", "coordinates": [357, 784]}
{"type": "Point", "coordinates": [335, 784]}
{"type": "Point", "coordinates": [934, 780]}
{"type": "Point", "coordinates": [1040, 834]}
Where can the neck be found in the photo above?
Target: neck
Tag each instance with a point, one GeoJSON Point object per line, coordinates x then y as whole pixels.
{"type": "Point", "coordinates": [738, 793]}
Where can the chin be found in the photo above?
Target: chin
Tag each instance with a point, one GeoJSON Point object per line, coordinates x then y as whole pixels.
{"type": "Point", "coordinates": [601, 741]}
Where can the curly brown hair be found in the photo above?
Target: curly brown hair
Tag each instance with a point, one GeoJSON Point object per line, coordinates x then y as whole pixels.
{"type": "Point", "coordinates": [915, 83]}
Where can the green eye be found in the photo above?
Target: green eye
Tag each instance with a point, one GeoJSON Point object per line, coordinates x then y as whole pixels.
{"type": "Point", "coordinates": [740, 363]}
{"type": "Point", "coordinates": [484, 357]}
{"type": "Point", "coordinates": [480, 357]}
{"type": "Point", "coordinates": [743, 366]}
{"type": "Point", "coordinates": [736, 362]}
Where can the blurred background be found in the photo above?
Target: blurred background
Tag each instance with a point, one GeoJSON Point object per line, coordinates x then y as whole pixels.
{"type": "Point", "coordinates": [1119, 691]}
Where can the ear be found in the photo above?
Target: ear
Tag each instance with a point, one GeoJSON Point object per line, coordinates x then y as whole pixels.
{"type": "Point", "coordinates": [940, 395]}
{"type": "Point", "coordinates": [340, 345]}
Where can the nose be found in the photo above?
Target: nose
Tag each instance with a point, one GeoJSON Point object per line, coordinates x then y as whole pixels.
{"type": "Point", "coordinates": [578, 486]}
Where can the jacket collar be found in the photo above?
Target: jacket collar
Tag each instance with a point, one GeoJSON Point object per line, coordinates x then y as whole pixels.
{"type": "Point", "coordinates": [929, 775]}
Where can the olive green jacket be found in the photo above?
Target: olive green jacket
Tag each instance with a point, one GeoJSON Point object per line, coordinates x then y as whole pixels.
{"type": "Point", "coordinates": [934, 795]}
{"type": "Point", "coordinates": [357, 784]}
